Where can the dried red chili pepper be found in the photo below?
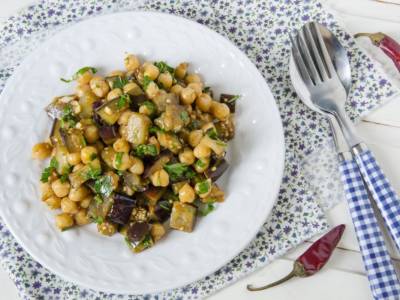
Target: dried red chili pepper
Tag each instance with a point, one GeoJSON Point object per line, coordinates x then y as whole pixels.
{"type": "Point", "coordinates": [311, 261]}
{"type": "Point", "coordinates": [386, 43]}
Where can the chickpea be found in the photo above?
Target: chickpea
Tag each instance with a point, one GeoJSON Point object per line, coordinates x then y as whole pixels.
{"type": "Point", "coordinates": [79, 193]}
{"type": "Point", "coordinates": [123, 131]}
{"type": "Point", "coordinates": [124, 118]}
{"type": "Point", "coordinates": [116, 73]}
{"type": "Point", "coordinates": [192, 78]}
{"type": "Point", "coordinates": [121, 145]}
{"type": "Point", "coordinates": [122, 161]}
{"type": "Point", "coordinates": [150, 71]}
{"type": "Point", "coordinates": [114, 179]}
{"type": "Point", "coordinates": [74, 158]}
{"type": "Point", "coordinates": [76, 107]}
{"type": "Point", "coordinates": [64, 221]}
{"type": "Point", "coordinates": [160, 178]}
{"type": "Point", "coordinates": [197, 87]}
{"type": "Point", "coordinates": [77, 167]}
{"type": "Point", "coordinates": [203, 102]}
{"type": "Point", "coordinates": [152, 90]}
{"type": "Point", "coordinates": [220, 110]}
{"type": "Point", "coordinates": [157, 231]}
{"type": "Point", "coordinates": [186, 194]}
{"type": "Point", "coordinates": [131, 62]}
{"type": "Point", "coordinates": [85, 77]}
{"type": "Point", "coordinates": [137, 166]}
{"type": "Point", "coordinates": [41, 151]}
{"type": "Point", "coordinates": [81, 217]}
{"type": "Point", "coordinates": [88, 154]}
{"type": "Point", "coordinates": [188, 95]}
{"type": "Point", "coordinates": [107, 228]}
{"type": "Point", "coordinates": [176, 89]}
{"type": "Point", "coordinates": [99, 86]}
{"type": "Point", "coordinates": [145, 110]}
{"type": "Point", "coordinates": [60, 189]}
{"type": "Point", "coordinates": [53, 202]}
{"type": "Point", "coordinates": [46, 190]}
{"type": "Point", "coordinates": [186, 156]}
{"type": "Point", "coordinates": [201, 151]}
{"type": "Point", "coordinates": [165, 79]}
{"type": "Point", "coordinates": [91, 133]}
{"type": "Point", "coordinates": [195, 137]}
{"type": "Point", "coordinates": [68, 206]}
{"type": "Point", "coordinates": [132, 89]}
{"type": "Point", "coordinates": [86, 202]}
{"type": "Point", "coordinates": [202, 164]}
{"type": "Point", "coordinates": [113, 94]}
{"type": "Point", "coordinates": [180, 70]}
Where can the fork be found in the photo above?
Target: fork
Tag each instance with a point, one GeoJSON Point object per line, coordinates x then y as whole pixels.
{"type": "Point", "coordinates": [325, 88]}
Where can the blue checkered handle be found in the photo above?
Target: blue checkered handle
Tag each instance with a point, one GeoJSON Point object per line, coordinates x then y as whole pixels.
{"type": "Point", "coordinates": [382, 192]}
{"type": "Point", "coordinates": [382, 278]}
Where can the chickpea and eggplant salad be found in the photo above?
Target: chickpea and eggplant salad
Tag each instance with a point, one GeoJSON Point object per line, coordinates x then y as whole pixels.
{"type": "Point", "coordinates": [137, 151]}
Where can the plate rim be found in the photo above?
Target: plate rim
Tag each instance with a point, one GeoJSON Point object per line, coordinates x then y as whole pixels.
{"type": "Point", "coordinates": [274, 107]}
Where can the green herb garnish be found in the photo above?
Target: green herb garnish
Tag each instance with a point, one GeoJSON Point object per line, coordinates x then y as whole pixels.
{"type": "Point", "coordinates": [64, 178]}
{"type": "Point", "coordinates": [103, 186]}
{"type": "Point", "coordinates": [128, 242]}
{"type": "Point", "coordinates": [118, 159]}
{"type": "Point", "coordinates": [93, 173]}
{"type": "Point", "coordinates": [98, 220]}
{"type": "Point", "coordinates": [146, 82]}
{"type": "Point", "coordinates": [179, 171]}
{"type": "Point", "coordinates": [123, 101]}
{"type": "Point", "coordinates": [150, 106]}
{"type": "Point", "coordinates": [165, 205]}
{"type": "Point", "coordinates": [80, 72]}
{"type": "Point", "coordinates": [205, 208]}
{"type": "Point", "coordinates": [184, 116]}
{"type": "Point", "coordinates": [212, 133]}
{"type": "Point", "coordinates": [199, 163]}
{"type": "Point", "coordinates": [98, 199]}
{"type": "Point", "coordinates": [163, 67]}
{"type": "Point", "coordinates": [119, 82]}
{"type": "Point", "coordinates": [147, 242]}
{"type": "Point", "coordinates": [146, 150]}
{"type": "Point", "coordinates": [47, 171]}
{"type": "Point", "coordinates": [203, 187]}
{"type": "Point", "coordinates": [93, 156]}
{"type": "Point", "coordinates": [233, 99]}
{"type": "Point", "coordinates": [68, 116]}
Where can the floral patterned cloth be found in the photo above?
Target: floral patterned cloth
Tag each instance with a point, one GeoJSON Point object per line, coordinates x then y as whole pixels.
{"type": "Point", "coordinates": [259, 28]}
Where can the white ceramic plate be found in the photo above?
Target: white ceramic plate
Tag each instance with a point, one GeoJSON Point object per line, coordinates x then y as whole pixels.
{"type": "Point", "coordinates": [84, 256]}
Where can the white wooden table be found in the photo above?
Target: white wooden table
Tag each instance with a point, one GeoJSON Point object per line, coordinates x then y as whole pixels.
{"type": "Point", "coordinates": [343, 277]}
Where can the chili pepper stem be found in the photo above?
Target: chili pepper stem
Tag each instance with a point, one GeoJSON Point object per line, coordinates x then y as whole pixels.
{"type": "Point", "coordinates": [298, 271]}
{"type": "Point", "coordinates": [376, 38]}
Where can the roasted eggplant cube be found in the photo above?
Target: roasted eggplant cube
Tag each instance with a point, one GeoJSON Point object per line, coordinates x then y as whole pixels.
{"type": "Point", "coordinates": [137, 231]}
{"type": "Point", "coordinates": [183, 216]}
{"type": "Point", "coordinates": [121, 209]}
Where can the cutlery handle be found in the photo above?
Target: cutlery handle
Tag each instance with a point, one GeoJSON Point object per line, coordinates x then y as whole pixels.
{"type": "Point", "coordinates": [382, 277]}
{"type": "Point", "coordinates": [381, 190]}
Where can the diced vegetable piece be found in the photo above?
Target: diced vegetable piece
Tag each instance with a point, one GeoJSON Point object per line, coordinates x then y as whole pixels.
{"type": "Point", "coordinates": [139, 214]}
{"type": "Point", "coordinates": [61, 156]}
{"type": "Point", "coordinates": [121, 209]}
{"type": "Point", "coordinates": [137, 101]}
{"type": "Point", "coordinates": [162, 99]}
{"type": "Point", "coordinates": [138, 129]}
{"type": "Point", "coordinates": [157, 231]}
{"type": "Point", "coordinates": [217, 146]}
{"type": "Point", "coordinates": [109, 133]}
{"type": "Point", "coordinates": [179, 172]}
{"type": "Point", "coordinates": [137, 231]}
{"type": "Point", "coordinates": [162, 211]}
{"type": "Point", "coordinates": [73, 139]}
{"type": "Point", "coordinates": [169, 141]}
{"type": "Point", "coordinates": [134, 182]}
{"type": "Point", "coordinates": [203, 188]}
{"type": "Point", "coordinates": [173, 119]}
{"type": "Point", "coordinates": [98, 210]}
{"type": "Point", "coordinates": [80, 176]}
{"type": "Point", "coordinates": [111, 110]}
{"type": "Point", "coordinates": [86, 102]}
{"type": "Point", "coordinates": [226, 129]}
{"type": "Point", "coordinates": [55, 136]}
{"type": "Point", "coordinates": [162, 159]}
{"type": "Point", "coordinates": [218, 168]}
{"type": "Point", "coordinates": [107, 155]}
{"type": "Point", "coordinates": [216, 195]}
{"type": "Point", "coordinates": [106, 227]}
{"type": "Point", "coordinates": [183, 217]}
{"type": "Point", "coordinates": [229, 100]}
{"type": "Point", "coordinates": [146, 243]}
{"type": "Point", "coordinates": [55, 109]}
{"type": "Point", "coordinates": [153, 194]}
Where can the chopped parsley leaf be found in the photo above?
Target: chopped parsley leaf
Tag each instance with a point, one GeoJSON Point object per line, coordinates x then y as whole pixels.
{"type": "Point", "coordinates": [203, 187]}
{"type": "Point", "coordinates": [98, 220]}
{"type": "Point", "coordinates": [165, 205]}
{"type": "Point", "coordinates": [123, 101]}
{"type": "Point", "coordinates": [103, 186]}
{"type": "Point", "coordinates": [212, 133]}
{"type": "Point", "coordinates": [146, 150]}
{"type": "Point", "coordinates": [200, 163]}
{"type": "Point", "coordinates": [205, 208]}
{"type": "Point", "coordinates": [93, 156]}
{"type": "Point", "coordinates": [47, 171]}
{"type": "Point", "coordinates": [179, 171]}
{"type": "Point", "coordinates": [119, 82]}
{"type": "Point", "coordinates": [233, 99]}
{"type": "Point", "coordinates": [64, 178]}
{"type": "Point", "coordinates": [98, 199]}
{"type": "Point", "coordinates": [80, 72]}
{"type": "Point", "coordinates": [118, 159]}
{"type": "Point", "coordinates": [146, 82]}
{"type": "Point", "coordinates": [184, 116]}
{"type": "Point", "coordinates": [150, 106]}
{"type": "Point", "coordinates": [68, 117]}
{"type": "Point", "coordinates": [128, 242]}
{"type": "Point", "coordinates": [93, 173]}
{"type": "Point", "coordinates": [163, 67]}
